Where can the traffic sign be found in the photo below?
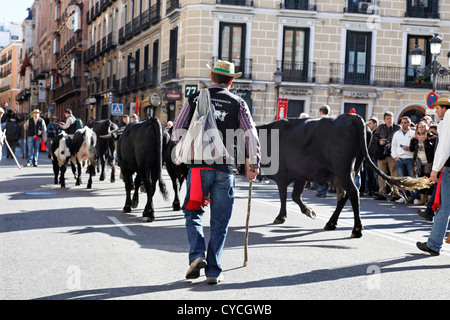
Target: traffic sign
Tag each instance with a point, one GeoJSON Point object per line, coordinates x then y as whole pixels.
{"type": "Point", "coordinates": [116, 109]}
{"type": "Point", "coordinates": [431, 98]}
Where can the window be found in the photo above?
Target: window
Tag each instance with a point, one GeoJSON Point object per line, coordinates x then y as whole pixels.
{"type": "Point", "coordinates": [359, 6]}
{"type": "Point", "coordinates": [413, 74]}
{"type": "Point", "coordinates": [360, 108]}
{"type": "Point", "coordinates": [295, 108]}
{"type": "Point", "coordinates": [295, 54]}
{"type": "Point", "coordinates": [232, 44]}
{"type": "Point", "coordinates": [358, 57]}
{"type": "Point", "coordinates": [422, 8]}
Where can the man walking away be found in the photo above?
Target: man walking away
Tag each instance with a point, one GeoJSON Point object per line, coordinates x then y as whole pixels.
{"type": "Point", "coordinates": [216, 179]}
{"type": "Point", "coordinates": [442, 199]}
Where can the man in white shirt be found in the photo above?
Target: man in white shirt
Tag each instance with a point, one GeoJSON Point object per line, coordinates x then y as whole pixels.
{"type": "Point", "coordinates": [441, 164]}
{"type": "Point", "coordinates": [400, 152]}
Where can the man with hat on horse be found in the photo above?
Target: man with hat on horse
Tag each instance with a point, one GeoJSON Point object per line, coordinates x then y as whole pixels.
{"type": "Point", "coordinates": [36, 132]}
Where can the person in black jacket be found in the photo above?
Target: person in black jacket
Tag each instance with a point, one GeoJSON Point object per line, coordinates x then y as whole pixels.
{"type": "Point", "coordinates": [383, 138]}
{"type": "Point", "coordinates": [36, 131]}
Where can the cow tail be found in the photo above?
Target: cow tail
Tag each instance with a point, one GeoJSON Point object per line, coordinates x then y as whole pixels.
{"type": "Point", "coordinates": [159, 133]}
{"type": "Point", "coordinates": [407, 183]}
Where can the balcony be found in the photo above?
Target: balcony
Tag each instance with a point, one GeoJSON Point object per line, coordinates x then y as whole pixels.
{"type": "Point", "coordinates": [382, 76]}
{"type": "Point", "coordinates": [140, 80]}
{"type": "Point", "coordinates": [297, 5]}
{"type": "Point", "coordinates": [155, 13]}
{"type": "Point", "coordinates": [136, 26]}
{"type": "Point", "coordinates": [298, 71]}
{"type": "Point", "coordinates": [422, 9]}
{"type": "Point", "coordinates": [169, 70]}
{"type": "Point", "coordinates": [171, 5]}
{"type": "Point", "coordinates": [69, 88]}
{"type": "Point", "coordinates": [244, 3]}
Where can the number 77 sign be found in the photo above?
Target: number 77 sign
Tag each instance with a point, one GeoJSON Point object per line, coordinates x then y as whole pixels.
{"type": "Point", "coordinates": [190, 89]}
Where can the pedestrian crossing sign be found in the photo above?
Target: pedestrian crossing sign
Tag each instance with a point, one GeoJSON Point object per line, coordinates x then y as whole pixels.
{"type": "Point", "coordinates": [116, 109]}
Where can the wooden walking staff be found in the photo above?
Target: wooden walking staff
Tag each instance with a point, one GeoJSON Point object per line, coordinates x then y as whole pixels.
{"type": "Point", "coordinates": [247, 223]}
{"type": "Point", "coordinates": [10, 150]}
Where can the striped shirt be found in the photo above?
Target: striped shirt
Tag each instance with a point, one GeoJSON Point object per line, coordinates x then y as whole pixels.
{"type": "Point", "coordinates": [245, 123]}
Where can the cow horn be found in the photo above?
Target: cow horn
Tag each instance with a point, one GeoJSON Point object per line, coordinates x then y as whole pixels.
{"type": "Point", "coordinates": [106, 136]}
{"type": "Point", "coordinates": [114, 126]}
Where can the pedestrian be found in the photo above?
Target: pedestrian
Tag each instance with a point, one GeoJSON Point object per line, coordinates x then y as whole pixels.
{"type": "Point", "coordinates": [422, 145]}
{"type": "Point", "coordinates": [53, 130]}
{"type": "Point", "coordinates": [36, 133]}
{"type": "Point", "coordinates": [383, 138]}
{"type": "Point", "coordinates": [441, 164]}
{"type": "Point", "coordinates": [216, 179]}
{"type": "Point", "coordinates": [2, 136]}
{"type": "Point", "coordinates": [12, 133]}
{"type": "Point", "coordinates": [134, 117]}
{"type": "Point", "coordinates": [125, 121]}
{"type": "Point", "coordinates": [402, 155]}
{"type": "Point", "coordinates": [371, 181]}
{"type": "Point", "coordinates": [69, 126]}
{"type": "Point", "coordinates": [321, 189]}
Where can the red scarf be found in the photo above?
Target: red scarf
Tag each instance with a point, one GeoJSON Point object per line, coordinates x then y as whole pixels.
{"type": "Point", "coordinates": [437, 197]}
{"type": "Point", "coordinates": [196, 198]}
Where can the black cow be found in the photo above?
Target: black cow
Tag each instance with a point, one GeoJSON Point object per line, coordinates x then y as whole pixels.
{"type": "Point", "coordinates": [105, 146]}
{"type": "Point", "coordinates": [323, 149]}
{"type": "Point", "coordinates": [139, 150]}
{"type": "Point", "coordinates": [178, 173]}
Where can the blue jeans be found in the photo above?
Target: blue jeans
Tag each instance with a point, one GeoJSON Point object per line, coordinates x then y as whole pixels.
{"type": "Point", "coordinates": [440, 223]}
{"type": "Point", "coordinates": [405, 169]}
{"type": "Point", "coordinates": [33, 146]}
{"type": "Point", "coordinates": [221, 188]}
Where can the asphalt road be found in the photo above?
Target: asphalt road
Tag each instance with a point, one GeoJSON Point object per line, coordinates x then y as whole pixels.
{"type": "Point", "coordinates": [76, 243]}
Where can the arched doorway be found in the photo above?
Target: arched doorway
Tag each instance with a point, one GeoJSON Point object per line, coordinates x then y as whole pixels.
{"type": "Point", "coordinates": [414, 112]}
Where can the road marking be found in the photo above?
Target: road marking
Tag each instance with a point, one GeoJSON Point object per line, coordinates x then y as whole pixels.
{"type": "Point", "coordinates": [121, 226]}
{"type": "Point", "coordinates": [375, 231]}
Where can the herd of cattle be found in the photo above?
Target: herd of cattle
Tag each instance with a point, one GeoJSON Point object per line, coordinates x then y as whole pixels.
{"type": "Point", "coordinates": [314, 149]}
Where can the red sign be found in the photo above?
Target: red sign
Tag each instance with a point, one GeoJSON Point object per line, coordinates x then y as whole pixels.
{"type": "Point", "coordinates": [431, 98]}
{"type": "Point", "coordinates": [282, 108]}
{"type": "Point", "coordinates": [173, 95]}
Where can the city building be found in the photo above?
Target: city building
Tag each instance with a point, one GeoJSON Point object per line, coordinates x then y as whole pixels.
{"type": "Point", "coordinates": [295, 55]}
{"type": "Point", "coordinates": [9, 74]}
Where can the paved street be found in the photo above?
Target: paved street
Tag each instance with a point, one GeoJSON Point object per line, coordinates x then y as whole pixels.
{"type": "Point", "coordinates": [76, 243]}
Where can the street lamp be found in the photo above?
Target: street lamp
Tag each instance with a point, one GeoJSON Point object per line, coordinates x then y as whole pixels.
{"type": "Point", "coordinates": [435, 68]}
{"type": "Point", "coordinates": [277, 78]}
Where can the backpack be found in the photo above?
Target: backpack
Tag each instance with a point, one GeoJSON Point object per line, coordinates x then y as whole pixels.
{"type": "Point", "coordinates": [202, 141]}
{"type": "Point", "coordinates": [78, 124]}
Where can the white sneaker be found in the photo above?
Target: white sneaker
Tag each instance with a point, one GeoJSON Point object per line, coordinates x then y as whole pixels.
{"type": "Point", "coordinates": [401, 200]}
{"type": "Point", "coordinates": [212, 280]}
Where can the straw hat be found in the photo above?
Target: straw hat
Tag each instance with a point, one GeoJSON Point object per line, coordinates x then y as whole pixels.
{"type": "Point", "coordinates": [441, 102]}
{"type": "Point", "coordinates": [36, 111]}
{"type": "Point", "coordinates": [225, 68]}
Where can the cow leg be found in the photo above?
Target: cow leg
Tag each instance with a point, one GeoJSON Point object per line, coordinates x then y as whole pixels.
{"type": "Point", "coordinates": [102, 164]}
{"type": "Point", "coordinates": [113, 171]}
{"type": "Point", "coordinates": [91, 170]}
{"type": "Point", "coordinates": [282, 191]}
{"type": "Point", "coordinates": [135, 200]}
{"type": "Point", "coordinates": [55, 170]}
{"type": "Point", "coordinates": [127, 179]}
{"type": "Point", "coordinates": [78, 183]}
{"type": "Point", "coordinates": [62, 178]}
{"type": "Point", "coordinates": [150, 187]}
{"type": "Point", "coordinates": [332, 223]}
{"type": "Point", "coordinates": [299, 186]}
